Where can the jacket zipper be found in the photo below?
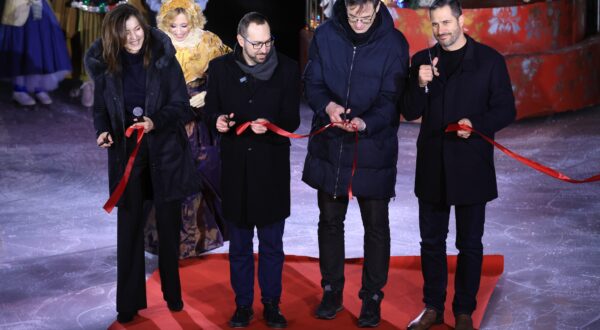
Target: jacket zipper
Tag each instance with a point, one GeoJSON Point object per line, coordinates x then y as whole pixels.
{"type": "Point", "coordinates": [337, 175]}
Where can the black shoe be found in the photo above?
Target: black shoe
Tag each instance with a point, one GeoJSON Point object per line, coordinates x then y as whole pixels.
{"type": "Point", "coordinates": [273, 316]}
{"type": "Point", "coordinates": [370, 312]}
{"type": "Point", "coordinates": [126, 317]}
{"type": "Point", "coordinates": [176, 306]}
{"type": "Point", "coordinates": [330, 305]}
{"type": "Point", "coordinates": [242, 317]}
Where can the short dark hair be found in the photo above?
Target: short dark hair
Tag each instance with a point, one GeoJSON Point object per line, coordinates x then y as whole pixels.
{"type": "Point", "coordinates": [251, 17]}
{"type": "Point", "coordinates": [455, 6]}
{"type": "Point", "coordinates": [351, 3]}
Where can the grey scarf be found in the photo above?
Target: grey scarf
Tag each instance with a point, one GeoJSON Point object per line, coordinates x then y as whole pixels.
{"type": "Point", "coordinates": [261, 71]}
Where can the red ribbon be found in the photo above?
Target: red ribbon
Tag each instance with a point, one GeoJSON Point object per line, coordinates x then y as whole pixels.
{"type": "Point", "coordinates": [116, 195]}
{"type": "Point", "coordinates": [280, 131]}
{"type": "Point", "coordinates": [535, 165]}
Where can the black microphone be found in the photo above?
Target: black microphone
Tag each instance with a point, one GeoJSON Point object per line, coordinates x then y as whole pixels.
{"type": "Point", "coordinates": [138, 114]}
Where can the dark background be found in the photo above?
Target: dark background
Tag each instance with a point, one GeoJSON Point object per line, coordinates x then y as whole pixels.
{"type": "Point", "coordinates": [286, 18]}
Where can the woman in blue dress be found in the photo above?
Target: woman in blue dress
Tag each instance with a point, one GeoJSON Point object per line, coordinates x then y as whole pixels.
{"type": "Point", "coordinates": [33, 50]}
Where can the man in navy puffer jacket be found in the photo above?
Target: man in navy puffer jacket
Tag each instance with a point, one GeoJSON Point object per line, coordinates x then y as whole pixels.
{"type": "Point", "coordinates": [357, 67]}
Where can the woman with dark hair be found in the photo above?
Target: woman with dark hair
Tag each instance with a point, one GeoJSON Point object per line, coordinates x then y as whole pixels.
{"type": "Point", "coordinates": [134, 68]}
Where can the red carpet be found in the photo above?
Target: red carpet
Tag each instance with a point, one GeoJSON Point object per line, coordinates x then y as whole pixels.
{"type": "Point", "coordinates": [209, 299]}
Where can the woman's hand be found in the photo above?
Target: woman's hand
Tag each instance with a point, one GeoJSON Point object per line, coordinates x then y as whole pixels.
{"type": "Point", "coordinates": [197, 101]}
{"type": "Point", "coordinates": [104, 140]}
{"type": "Point", "coordinates": [147, 124]}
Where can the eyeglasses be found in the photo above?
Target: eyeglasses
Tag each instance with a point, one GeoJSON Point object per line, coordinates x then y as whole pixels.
{"type": "Point", "coordinates": [364, 20]}
{"type": "Point", "coordinates": [260, 44]}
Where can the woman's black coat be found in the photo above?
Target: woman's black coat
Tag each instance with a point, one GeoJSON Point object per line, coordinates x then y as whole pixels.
{"type": "Point", "coordinates": [255, 176]}
{"type": "Point", "coordinates": [167, 104]}
{"type": "Point", "coordinates": [450, 169]}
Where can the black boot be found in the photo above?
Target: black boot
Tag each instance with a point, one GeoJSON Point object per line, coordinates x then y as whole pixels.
{"type": "Point", "coordinates": [126, 317]}
{"type": "Point", "coordinates": [242, 317]}
{"type": "Point", "coordinates": [370, 312]}
{"type": "Point", "coordinates": [175, 306]}
{"type": "Point", "coordinates": [330, 305]}
{"type": "Point", "coordinates": [273, 316]}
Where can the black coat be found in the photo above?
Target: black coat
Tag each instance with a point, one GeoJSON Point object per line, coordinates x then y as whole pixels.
{"type": "Point", "coordinates": [167, 104]}
{"type": "Point", "coordinates": [255, 176]}
{"type": "Point", "coordinates": [366, 79]}
{"type": "Point", "coordinates": [450, 169]}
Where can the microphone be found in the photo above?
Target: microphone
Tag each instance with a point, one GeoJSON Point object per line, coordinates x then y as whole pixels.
{"type": "Point", "coordinates": [138, 114]}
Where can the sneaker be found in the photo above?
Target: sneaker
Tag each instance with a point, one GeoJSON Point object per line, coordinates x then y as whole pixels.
{"type": "Point", "coordinates": [23, 98]}
{"type": "Point", "coordinates": [330, 305]}
{"type": "Point", "coordinates": [43, 98]}
{"type": "Point", "coordinates": [242, 317]}
{"type": "Point", "coordinates": [273, 316]}
{"type": "Point", "coordinates": [370, 312]}
{"type": "Point", "coordinates": [87, 94]}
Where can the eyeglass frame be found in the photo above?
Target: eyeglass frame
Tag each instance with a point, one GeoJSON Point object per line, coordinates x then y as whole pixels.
{"type": "Point", "coordinates": [260, 44]}
{"type": "Point", "coordinates": [363, 20]}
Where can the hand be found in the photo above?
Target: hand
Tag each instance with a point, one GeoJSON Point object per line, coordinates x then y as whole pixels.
{"type": "Point", "coordinates": [462, 133]}
{"type": "Point", "coordinates": [147, 124]}
{"type": "Point", "coordinates": [334, 111]}
{"type": "Point", "coordinates": [358, 123]}
{"type": "Point", "coordinates": [104, 140]}
{"type": "Point", "coordinates": [197, 101]}
{"type": "Point", "coordinates": [189, 128]}
{"type": "Point", "coordinates": [258, 127]}
{"type": "Point", "coordinates": [427, 72]}
{"type": "Point", "coordinates": [224, 122]}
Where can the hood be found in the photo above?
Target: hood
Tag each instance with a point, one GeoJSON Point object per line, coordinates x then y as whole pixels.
{"type": "Point", "coordinates": [387, 23]}
{"type": "Point", "coordinates": [162, 51]}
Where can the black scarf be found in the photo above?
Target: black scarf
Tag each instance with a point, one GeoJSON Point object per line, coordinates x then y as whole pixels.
{"type": "Point", "coordinates": [260, 71]}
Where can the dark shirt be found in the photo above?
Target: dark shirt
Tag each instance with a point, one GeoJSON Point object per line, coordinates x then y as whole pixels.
{"type": "Point", "coordinates": [134, 83]}
{"type": "Point", "coordinates": [450, 60]}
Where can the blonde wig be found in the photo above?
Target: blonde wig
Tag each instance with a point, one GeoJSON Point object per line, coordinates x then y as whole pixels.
{"type": "Point", "coordinates": [171, 8]}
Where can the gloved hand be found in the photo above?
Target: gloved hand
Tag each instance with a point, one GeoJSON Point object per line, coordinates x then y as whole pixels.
{"type": "Point", "coordinates": [197, 101]}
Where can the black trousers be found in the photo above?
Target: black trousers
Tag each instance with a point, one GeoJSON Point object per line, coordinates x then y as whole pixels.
{"type": "Point", "coordinates": [376, 243]}
{"type": "Point", "coordinates": [131, 281]}
{"type": "Point", "coordinates": [433, 224]}
{"type": "Point", "coordinates": [270, 262]}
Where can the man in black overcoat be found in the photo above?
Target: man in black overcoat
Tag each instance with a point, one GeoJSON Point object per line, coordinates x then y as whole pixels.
{"type": "Point", "coordinates": [456, 81]}
{"type": "Point", "coordinates": [255, 84]}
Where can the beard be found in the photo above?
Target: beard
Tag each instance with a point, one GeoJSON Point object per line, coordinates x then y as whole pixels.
{"type": "Point", "coordinates": [451, 38]}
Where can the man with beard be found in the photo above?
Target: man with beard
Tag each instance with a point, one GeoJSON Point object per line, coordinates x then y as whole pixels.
{"type": "Point", "coordinates": [258, 85]}
{"type": "Point", "coordinates": [456, 81]}
{"type": "Point", "coordinates": [357, 66]}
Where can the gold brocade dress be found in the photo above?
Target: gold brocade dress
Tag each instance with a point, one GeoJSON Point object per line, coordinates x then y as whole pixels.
{"type": "Point", "coordinates": [202, 226]}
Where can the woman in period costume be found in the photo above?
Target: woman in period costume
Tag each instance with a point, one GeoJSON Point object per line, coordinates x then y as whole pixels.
{"type": "Point", "coordinates": [202, 222]}
{"type": "Point", "coordinates": [33, 51]}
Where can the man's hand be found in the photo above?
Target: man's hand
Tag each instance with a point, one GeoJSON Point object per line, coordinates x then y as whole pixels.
{"type": "Point", "coordinates": [197, 101]}
{"type": "Point", "coordinates": [258, 127]}
{"type": "Point", "coordinates": [355, 124]}
{"type": "Point", "coordinates": [224, 122]}
{"type": "Point", "coordinates": [427, 72]}
{"type": "Point", "coordinates": [335, 111]}
{"type": "Point", "coordinates": [104, 140]}
{"type": "Point", "coordinates": [462, 133]}
{"type": "Point", "coordinates": [147, 124]}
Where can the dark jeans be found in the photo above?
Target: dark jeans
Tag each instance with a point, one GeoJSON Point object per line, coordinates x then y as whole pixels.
{"type": "Point", "coordinates": [131, 281]}
{"type": "Point", "coordinates": [270, 262]}
{"type": "Point", "coordinates": [376, 246]}
{"type": "Point", "coordinates": [433, 224]}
